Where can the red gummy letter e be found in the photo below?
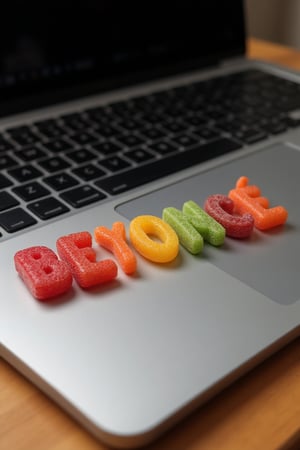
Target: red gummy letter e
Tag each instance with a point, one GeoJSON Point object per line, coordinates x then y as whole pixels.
{"type": "Point", "coordinates": [42, 272]}
{"type": "Point", "coordinates": [76, 250]}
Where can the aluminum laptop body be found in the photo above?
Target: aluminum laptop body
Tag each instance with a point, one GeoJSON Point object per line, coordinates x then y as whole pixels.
{"type": "Point", "coordinates": [130, 358]}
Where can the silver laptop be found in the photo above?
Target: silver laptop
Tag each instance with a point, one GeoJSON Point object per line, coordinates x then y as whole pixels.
{"type": "Point", "coordinates": [112, 110]}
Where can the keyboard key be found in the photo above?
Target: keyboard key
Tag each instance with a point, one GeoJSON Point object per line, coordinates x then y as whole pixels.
{"type": "Point", "coordinates": [26, 139]}
{"type": "Point", "coordinates": [217, 115]}
{"type": "Point", "coordinates": [206, 133]}
{"type": "Point", "coordinates": [107, 147]}
{"type": "Point", "coordinates": [89, 172]}
{"type": "Point", "coordinates": [174, 126]}
{"type": "Point", "coordinates": [31, 191]}
{"type": "Point", "coordinates": [163, 147]}
{"type": "Point", "coordinates": [5, 145]}
{"type": "Point", "coordinates": [24, 135]}
{"type": "Point", "coordinates": [231, 126]}
{"type": "Point", "coordinates": [75, 122]}
{"type": "Point", "coordinates": [196, 121]}
{"type": "Point", "coordinates": [54, 164]}
{"type": "Point", "coordinates": [61, 181]}
{"type": "Point", "coordinates": [98, 115]}
{"type": "Point", "coordinates": [123, 109]}
{"type": "Point", "coordinates": [130, 124]}
{"type": "Point", "coordinates": [50, 129]}
{"type": "Point", "coordinates": [4, 182]}
{"type": "Point", "coordinates": [31, 154]}
{"type": "Point", "coordinates": [7, 201]}
{"type": "Point", "coordinates": [153, 133]}
{"type": "Point", "coordinates": [16, 220]}
{"type": "Point", "coordinates": [116, 184]}
{"type": "Point", "coordinates": [174, 112]}
{"type": "Point", "coordinates": [153, 118]}
{"type": "Point", "coordinates": [84, 138]}
{"type": "Point", "coordinates": [130, 140]}
{"type": "Point", "coordinates": [48, 208]}
{"type": "Point", "coordinates": [250, 135]}
{"type": "Point", "coordinates": [185, 141]}
{"type": "Point", "coordinates": [107, 131]}
{"type": "Point", "coordinates": [81, 156]}
{"type": "Point", "coordinates": [6, 162]}
{"type": "Point", "coordinates": [139, 155]}
{"type": "Point", "coordinates": [58, 145]}
{"type": "Point", "coordinates": [114, 163]}
{"type": "Point", "coordinates": [22, 129]}
{"type": "Point", "coordinates": [142, 104]}
{"type": "Point", "coordinates": [25, 173]}
{"type": "Point", "coordinates": [82, 196]}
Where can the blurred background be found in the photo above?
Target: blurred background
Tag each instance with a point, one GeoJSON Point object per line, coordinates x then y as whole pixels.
{"type": "Point", "coordinates": [274, 20]}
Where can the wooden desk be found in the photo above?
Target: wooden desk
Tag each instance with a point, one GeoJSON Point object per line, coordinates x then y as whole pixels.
{"type": "Point", "coordinates": [261, 411]}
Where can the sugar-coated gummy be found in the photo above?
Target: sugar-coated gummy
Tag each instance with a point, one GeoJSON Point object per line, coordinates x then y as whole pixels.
{"type": "Point", "coordinates": [140, 230]}
{"type": "Point", "coordinates": [76, 250]}
{"type": "Point", "coordinates": [42, 272]}
{"type": "Point", "coordinates": [187, 234]}
{"type": "Point", "coordinates": [211, 230]}
{"type": "Point", "coordinates": [221, 208]}
{"type": "Point", "coordinates": [115, 241]}
{"type": "Point", "coordinates": [247, 199]}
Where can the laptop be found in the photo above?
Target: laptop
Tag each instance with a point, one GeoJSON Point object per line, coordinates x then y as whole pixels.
{"type": "Point", "coordinates": [112, 110]}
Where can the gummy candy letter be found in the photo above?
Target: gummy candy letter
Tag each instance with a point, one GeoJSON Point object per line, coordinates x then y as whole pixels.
{"type": "Point", "coordinates": [221, 209]}
{"type": "Point", "coordinates": [247, 199]}
{"type": "Point", "coordinates": [211, 230]}
{"type": "Point", "coordinates": [76, 250]}
{"type": "Point", "coordinates": [163, 250]}
{"type": "Point", "coordinates": [115, 241]}
{"type": "Point", "coordinates": [42, 272]}
{"type": "Point", "coordinates": [187, 234]}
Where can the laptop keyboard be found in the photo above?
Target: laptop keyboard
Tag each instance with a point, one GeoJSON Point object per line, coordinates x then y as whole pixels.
{"type": "Point", "coordinates": [51, 167]}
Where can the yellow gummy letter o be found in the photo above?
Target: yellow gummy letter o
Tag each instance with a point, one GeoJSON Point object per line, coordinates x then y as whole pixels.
{"type": "Point", "coordinates": [143, 227]}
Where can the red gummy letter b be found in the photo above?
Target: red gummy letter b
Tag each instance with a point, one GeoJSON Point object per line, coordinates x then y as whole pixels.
{"type": "Point", "coordinates": [42, 272]}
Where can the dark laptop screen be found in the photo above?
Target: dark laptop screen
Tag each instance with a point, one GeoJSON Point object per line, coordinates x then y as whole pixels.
{"type": "Point", "coordinates": [59, 44]}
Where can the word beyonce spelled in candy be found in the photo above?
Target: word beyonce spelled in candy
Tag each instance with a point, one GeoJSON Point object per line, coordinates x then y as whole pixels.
{"type": "Point", "coordinates": [154, 238]}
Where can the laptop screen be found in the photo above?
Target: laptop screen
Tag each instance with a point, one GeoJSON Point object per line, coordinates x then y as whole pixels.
{"type": "Point", "coordinates": [60, 45]}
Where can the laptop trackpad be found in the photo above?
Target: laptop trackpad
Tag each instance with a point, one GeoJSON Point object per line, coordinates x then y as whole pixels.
{"type": "Point", "coordinates": [267, 261]}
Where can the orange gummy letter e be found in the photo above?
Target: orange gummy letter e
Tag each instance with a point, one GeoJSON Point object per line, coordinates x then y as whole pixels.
{"type": "Point", "coordinates": [247, 199]}
{"type": "Point", "coordinates": [76, 249]}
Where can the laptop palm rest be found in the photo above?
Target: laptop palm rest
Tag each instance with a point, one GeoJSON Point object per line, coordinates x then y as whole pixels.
{"type": "Point", "coordinates": [268, 261]}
